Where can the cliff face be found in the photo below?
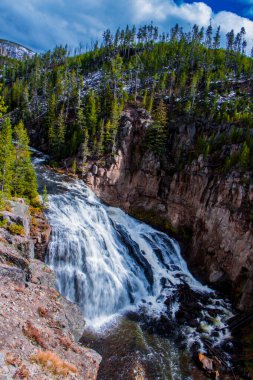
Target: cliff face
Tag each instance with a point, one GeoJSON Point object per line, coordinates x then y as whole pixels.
{"type": "Point", "coordinates": [39, 329]}
{"type": "Point", "coordinates": [209, 209]}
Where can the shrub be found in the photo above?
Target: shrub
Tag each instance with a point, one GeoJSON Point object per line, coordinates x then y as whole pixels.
{"type": "Point", "coordinates": [22, 373]}
{"type": "Point", "coordinates": [34, 334]}
{"type": "Point", "coordinates": [53, 363]}
{"type": "Point", "coordinates": [11, 359]}
{"type": "Point", "coordinates": [36, 203]}
{"type": "Point", "coordinates": [16, 229]}
{"type": "Point", "coordinates": [3, 221]}
{"type": "Point", "coordinates": [43, 312]}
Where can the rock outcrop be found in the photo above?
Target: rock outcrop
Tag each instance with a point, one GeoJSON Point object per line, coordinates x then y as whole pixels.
{"type": "Point", "coordinates": [209, 209]}
{"type": "Point", "coordinates": [39, 329]}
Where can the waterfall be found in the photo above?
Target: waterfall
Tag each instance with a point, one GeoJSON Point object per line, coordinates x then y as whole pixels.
{"type": "Point", "coordinates": [109, 263]}
{"type": "Point", "coordinates": [105, 260]}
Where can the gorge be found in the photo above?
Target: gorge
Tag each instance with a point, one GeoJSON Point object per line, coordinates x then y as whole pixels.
{"type": "Point", "coordinates": [132, 285]}
{"type": "Point", "coordinates": [143, 151]}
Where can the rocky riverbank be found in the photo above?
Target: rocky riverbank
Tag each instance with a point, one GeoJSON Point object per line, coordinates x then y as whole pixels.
{"type": "Point", "coordinates": [39, 329]}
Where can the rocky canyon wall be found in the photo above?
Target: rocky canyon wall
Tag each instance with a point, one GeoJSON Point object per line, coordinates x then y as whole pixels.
{"type": "Point", "coordinates": [208, 209]}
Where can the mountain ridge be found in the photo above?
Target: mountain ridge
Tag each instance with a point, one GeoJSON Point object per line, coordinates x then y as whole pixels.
{"type": "Point", "coordinates": [14, 50]}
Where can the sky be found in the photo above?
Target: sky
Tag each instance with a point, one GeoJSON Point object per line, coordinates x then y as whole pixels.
{"type": "Point", "coordinates": [42, 24]}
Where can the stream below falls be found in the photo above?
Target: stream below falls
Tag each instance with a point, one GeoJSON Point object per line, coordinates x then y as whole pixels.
{"type": "Point", "coordinates": [146, 314]}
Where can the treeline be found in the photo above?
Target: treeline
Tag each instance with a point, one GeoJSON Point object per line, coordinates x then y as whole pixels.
{"type": "Point", "coordinates": [17, 175]}
{"type": "Point", "coordinates": [75, 101]}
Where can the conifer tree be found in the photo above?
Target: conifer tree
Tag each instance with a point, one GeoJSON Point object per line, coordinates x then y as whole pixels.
{"type": "Point", "coordinates": [3, 108]}
{"type": "Point", "coordinates": [45, 197]}
{"type": "Point", "coordinates": [6, 158]}
{"type": "Point", "coordinates": [216, 39]}
{"type": "Point", "coordinates": [108, 141]}
{"type": "Point", "coordinates": [244, 156]}
{"type": "Point", "coordinates": [160, 113]}
{"type": "Point", "coordinates": [91, 114]}
{"type": "Point", "coordinates": [24, 181]}
{"type": "Point", "coordinates": [61, 130]}
{"type": "Point", "coordinates": [50, 121]}
{"type": "Point", "coordinates": [74, 166]}
{"type": "Point", "coordinates": [100, 138]}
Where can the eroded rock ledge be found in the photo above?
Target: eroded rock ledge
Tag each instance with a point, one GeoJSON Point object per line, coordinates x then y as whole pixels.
{"type": "Point", "coordinates": [208, 208]}
{"type": "Point", "coordinates": [39, 329]}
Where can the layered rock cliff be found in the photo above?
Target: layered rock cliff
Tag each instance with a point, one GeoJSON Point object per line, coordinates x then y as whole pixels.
{"type": "Point", "coordinates": [39, 329]}
{"type": "Point", "coordinates": [201, 205]}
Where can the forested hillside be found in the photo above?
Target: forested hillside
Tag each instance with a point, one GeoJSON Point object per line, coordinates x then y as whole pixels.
{"type": "Point", "coordinates": [68, 102]}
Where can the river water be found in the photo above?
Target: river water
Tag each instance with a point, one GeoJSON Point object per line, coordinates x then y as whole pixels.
{"type": "Point", "coordinates": [145, 312]}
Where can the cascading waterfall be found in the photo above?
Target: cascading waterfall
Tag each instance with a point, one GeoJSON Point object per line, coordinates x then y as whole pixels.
{"type": "Point", "coordinates": [109, 263]}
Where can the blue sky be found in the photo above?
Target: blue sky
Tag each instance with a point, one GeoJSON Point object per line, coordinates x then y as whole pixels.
{"type": "Point", "coordinates": [41, 24]}
{"type": "Point", "coordinates": [241, 7]}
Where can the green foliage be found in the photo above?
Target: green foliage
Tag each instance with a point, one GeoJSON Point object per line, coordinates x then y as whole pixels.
{"type": "Point", "coordinates": [160, 113]}
{"type": "Point", "coordinates": [17, 175]}
{"type": "Point", "coordinates": [235, 135]}
{"type": "Point", "coordinates": [16, 229]}
{"type": "Point", "coordinates": [3, 222]}
{"type": "Point", "coordinates": [91, 114]}
{"type": "Point", "coordinates": [244, 157]}
{"type": "Point", "coordinates": [6, 159]}
{"type": "Point", "coordinates": [155, 139]}
{"type": "Point", "coordinates": [45, 197]}
{"type": "Point", "coordinates": [74, 166]}
{"type": "Point", "coordinates": [3, 108]}
{"type": "Point", "coordinates": [24, 182]}
{"type": "Point", "coordinates": [230, 162]}
{"type": "Point", "coordinates": [202, 146]}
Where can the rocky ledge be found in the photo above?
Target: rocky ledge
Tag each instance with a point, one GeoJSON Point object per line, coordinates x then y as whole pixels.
{"type": "Point", "coordinates": [39, 329]}
{"type": "Point", "coordinates": [208, 209]}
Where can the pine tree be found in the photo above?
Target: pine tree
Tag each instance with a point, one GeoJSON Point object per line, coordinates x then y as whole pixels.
{"type": "Point", "coordinates": [74, 166]}
{"type": "Point", "coordinates": [100, 138]}
{"type": "Point", "coordinates": [108, 141]}
{"type": "Point", "coordinates": [244, 156]}
{"type": "Point", "coordinates": [50, 122]}
{"type": "Point", "coordinates": [85, 148]}
{"type": "Point", "coordinates": [3, 108]}
{"type": "Point", "coordinates": [6, 159]}
{"type": "Point", "coordinates": [216, 39]}
{"type": "Point", "coordinates": [24, 182]}
{"type": "Point", "coordinates": [209, 33]}
{"type": "Point", "coordinates": [61, 131]}
{"type": "Point", "coordinates": [45, 197]}
{"type": "Point", "coordinates": [25, 105]}
{"type": "Point", "coordinates": [160, 113]}
{"type": "Point", "coordinates": [91, 114]}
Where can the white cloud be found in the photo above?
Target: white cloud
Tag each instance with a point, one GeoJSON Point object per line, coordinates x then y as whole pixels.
{"type": "Point", "coordinates": [167, 12]}
{"type": "Point", "coordinates": [43, 24]}
{"type": "Point", "coordinates": [161, 10]}
{"type": "Point", "coordinates": [229, 20]}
